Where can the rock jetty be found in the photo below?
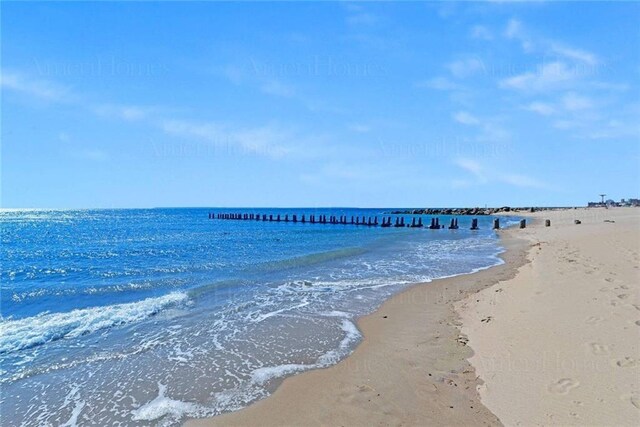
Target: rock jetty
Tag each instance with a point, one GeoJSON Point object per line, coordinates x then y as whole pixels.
{"type": "Point", "coordinates": [467, 211]}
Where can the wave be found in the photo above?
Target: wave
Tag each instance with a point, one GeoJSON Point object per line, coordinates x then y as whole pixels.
{"type": "Point", "coordinates": [310, 259]}
{"type": "Point", "coordinates": [29, 332]}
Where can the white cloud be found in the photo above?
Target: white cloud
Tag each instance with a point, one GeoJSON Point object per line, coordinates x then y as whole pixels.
{"type": "Point", "coordinates": [466, 118]}
{"type": "Point", "coordinates": [359, 128]}
{"type": "Point", "coordinates": [124, 112]}
{"type": "Point", "coordinates": [573, 102]}
{"type": "Point", "coordinates": [514, 29]}
{"type": "Point", "coordinates": [549, 76]}
{"type": "Point", "coordinates": [277, 88]}
{"type": "Point", "coordinates": [466, 67]}
{"type": "Point", "coordinates": [438, 83]}
{"type": "Point", "coordinates": [267, 141]}
{"type": "Point", "coordinates": [542, 108]}
{"type": "Point", "coordinates": [575, 54]}
{"type": "Point", "coordinates": [481, 32]}
{"type": "Point", "coordinates": [483, 175]}
{"type": "Point", "coordinates": [42, 89]}
{"type": "Point", "coordinates": [490, 130]}
{"type": "Point", "coordinates": [519, 180]}
{"type": "Point", "coordinates": [469, 165]}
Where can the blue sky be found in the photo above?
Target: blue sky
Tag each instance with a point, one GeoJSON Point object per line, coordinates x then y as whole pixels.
{"type": "Point", "coordinates": [319, 104]}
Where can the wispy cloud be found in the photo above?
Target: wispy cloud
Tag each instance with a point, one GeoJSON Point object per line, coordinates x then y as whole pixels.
{"type": "Point", "coordinates": [277, 88]}
{"type": "Point", "coordinates": [269, 140]}
{"type": "Point", "coordinates": [483, 175]}
{"type": "Point", "coordinates": [466, 67]}
{"type": "Point", "coordinates": [41, 89]}
{"type": "Point", "coordinates": [481, 32]}
{"type": "Point", "coordinates": [549, 76]}
{"type": "Point", "coordinates": [489, 128]}
{"type": "Point", "coordinates": [542, 108]}
{"type": "Point", "coordinates": [574, 102]}
{"type": "Point", "coordinates": [438, 83]}
{"type": "Point", "coordinates": [465, 118]}
{"type": "Point", "coordinates": [575, 54]}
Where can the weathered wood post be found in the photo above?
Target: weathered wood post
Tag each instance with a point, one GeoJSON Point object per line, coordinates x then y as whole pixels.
{"type": "Point", "coordinates": [547, 223]}
{"type": "Point", "coordinates": [474, 224]}
{"type": "Point", "coordinates": [523, 223]}
{"type": "Point", "coordinates": [420, 222]}
{"type": "Point", "coordinates": [456, 227]}
{"type": "Point", "coordinates": [452, 224]}
{"type": "Point", "coordinates": [496, 223]}
{"type": "Point", "coordinates": [437, 223]}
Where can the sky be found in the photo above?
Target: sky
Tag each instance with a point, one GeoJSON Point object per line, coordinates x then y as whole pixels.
{"type": "Point", "coordinates": [125, 104]}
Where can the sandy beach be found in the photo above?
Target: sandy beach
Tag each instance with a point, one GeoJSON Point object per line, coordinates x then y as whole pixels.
{"type": "Point", "coordinates": [548, 338]}
{"type": "Point", "coordinates": [562, 343]}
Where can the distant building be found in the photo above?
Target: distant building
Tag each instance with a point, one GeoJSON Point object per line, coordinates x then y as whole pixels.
{"type": "Point", "coordinates": [611, 202]}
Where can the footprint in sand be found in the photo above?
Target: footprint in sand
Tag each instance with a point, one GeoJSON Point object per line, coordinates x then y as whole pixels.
{"type": "Point", "coordinates": [623, 296]}
{"type": "Point", "coordinates": [598, 349]}
{"type": "Point", "coordinates": [634, 400]}
{"type": "Point", "coordinates": [638, 322]}
{"type": "Point", "coordinates": [563, 386]}
{"type": "Point", "coordinates": [627, 362]}
{"type": "Point", "coordinates": [594, 319]}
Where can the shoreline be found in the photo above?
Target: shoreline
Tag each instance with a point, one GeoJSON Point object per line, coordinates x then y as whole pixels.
{"type": "Point", "coordinates": [412, 339]}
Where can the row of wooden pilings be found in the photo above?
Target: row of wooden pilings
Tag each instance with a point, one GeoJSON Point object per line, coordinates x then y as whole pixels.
{"type": "Point", "coordinates": [355, 220]}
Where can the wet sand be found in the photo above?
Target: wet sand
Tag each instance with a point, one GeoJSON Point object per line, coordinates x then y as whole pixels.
{"type": "Point", "coordinates": [410, 369]}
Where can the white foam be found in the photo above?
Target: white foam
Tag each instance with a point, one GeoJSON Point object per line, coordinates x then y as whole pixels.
{"type": "Point", "coordinates": [31, 331]}
{"type": "Point", "coordinates": [352, 334]}
{"type": "Point", "coordinates": [262, 375]}
{"type": "Point", "coordinates": [163, 406]}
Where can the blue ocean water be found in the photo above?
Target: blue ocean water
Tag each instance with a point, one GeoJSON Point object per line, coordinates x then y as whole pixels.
{"type": "Point", "coordinates": [149, 316]}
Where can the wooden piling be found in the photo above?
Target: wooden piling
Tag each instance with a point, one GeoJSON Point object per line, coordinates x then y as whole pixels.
{"type": "Point", "coordinates": [523, 223]}
{"type": "Point", "coordinates": [547, 223]}
{"type": "Point", "coordinates": [496, 223]}
{"type": "Point", "coordinates": [474, 224]}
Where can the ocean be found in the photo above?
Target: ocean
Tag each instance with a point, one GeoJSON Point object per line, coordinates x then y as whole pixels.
{"type": "Point", "coordinates": [151, 316]}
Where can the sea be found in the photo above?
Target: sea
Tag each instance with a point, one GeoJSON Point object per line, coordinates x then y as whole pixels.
{"type": "Point", "coordinates": [152, 316]}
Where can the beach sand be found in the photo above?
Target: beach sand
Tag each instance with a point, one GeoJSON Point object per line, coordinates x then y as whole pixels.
{"type": "Point", "coordinates": [554, 330]}
{"type": "Point", "coordinates": [563, 343]}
